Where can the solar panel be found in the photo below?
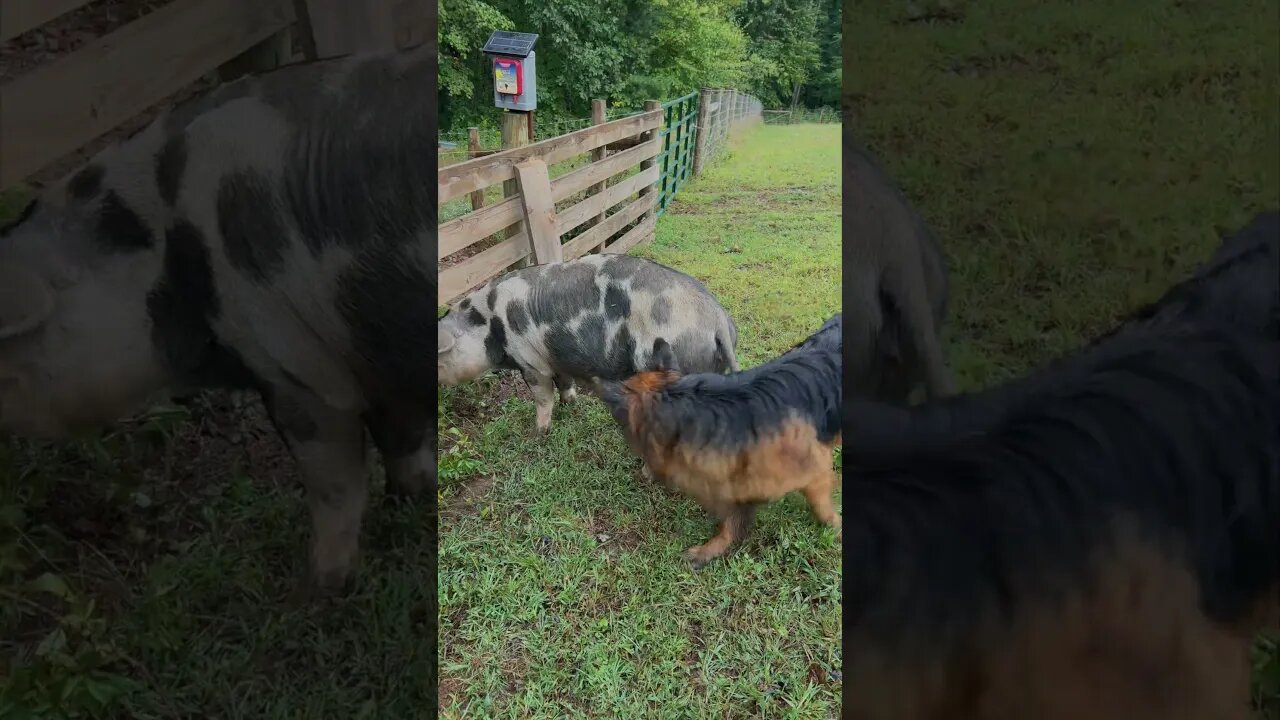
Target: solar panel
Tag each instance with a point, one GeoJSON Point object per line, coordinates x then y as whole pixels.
{"type": "Point", "coordinates": [503, 42]}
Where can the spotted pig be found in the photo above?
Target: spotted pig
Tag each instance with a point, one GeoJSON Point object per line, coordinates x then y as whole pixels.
{"type": "Point", "coordinates": [275, 234]}
{"type": "Point", "coordinates": [593, 317]}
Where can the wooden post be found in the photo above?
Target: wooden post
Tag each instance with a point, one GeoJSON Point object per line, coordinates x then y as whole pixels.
{"type": "Point", "coordinates": [539, 211]}
{"type": "Point", "coordinates": [700, 142]}
{"type": "Point", "coordinates": [515, 133]}
{"type": "Point", "coordinates": [650, 215]}
{"type": "Point", "coordinates": [722, 117]}
{"type": "Point", "coordinates": [598, 117]}
{"type": "Point", "coordinates": [473, 151]}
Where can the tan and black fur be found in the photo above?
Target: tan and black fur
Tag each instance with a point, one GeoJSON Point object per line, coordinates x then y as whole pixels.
{"type": "Point", "coordinates": [736, 441]}
{"type": "Point", "coordinates": [1100, 539]}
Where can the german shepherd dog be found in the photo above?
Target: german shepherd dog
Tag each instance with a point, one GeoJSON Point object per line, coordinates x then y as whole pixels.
{"type": "Point", "coordinates": [736, 441]}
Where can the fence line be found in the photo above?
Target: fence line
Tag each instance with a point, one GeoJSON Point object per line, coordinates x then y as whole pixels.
{"type": "Point", "coordinates": [612, 180]}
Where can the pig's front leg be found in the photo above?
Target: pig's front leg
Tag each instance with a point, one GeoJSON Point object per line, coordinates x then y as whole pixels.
{"type": "Point", "coordinates": [544, 397]}
{"type": "Point", "coordinates": [329, 447]}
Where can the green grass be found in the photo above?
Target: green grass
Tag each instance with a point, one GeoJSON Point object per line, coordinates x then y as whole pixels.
{"type": "Point", "coordinates": [562, 589]}
{"type": "Point", "coordinates": [1074, 158]}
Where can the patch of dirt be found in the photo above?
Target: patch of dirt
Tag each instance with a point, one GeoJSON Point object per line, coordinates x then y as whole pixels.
{"type": "Point", "coordinates": [468, 498]}
{"type": "Point", "coordinates": [448, 688]}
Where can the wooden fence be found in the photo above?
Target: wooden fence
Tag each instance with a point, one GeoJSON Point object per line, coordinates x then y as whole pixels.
{"type": "Point", "coordinates": [634, 166]}
{"type": "Point", "coordinates": [61, 106]}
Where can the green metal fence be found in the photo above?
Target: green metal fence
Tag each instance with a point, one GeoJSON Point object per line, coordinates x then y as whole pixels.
{"type": "Point", "coordinates": [679, 135]}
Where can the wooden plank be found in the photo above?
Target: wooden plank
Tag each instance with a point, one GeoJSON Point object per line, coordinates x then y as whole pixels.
{"type": "Point", "coordinates": [473, 227]}
{"type": "Point", "coordinates": [636, 235]}
{"type": "Point", "coordinates": [569, 183]}
{"type": "Point", "coordinates": [598, 234]}
{"type": "Point", "coordinates": [57, 108]}
{"type": "Point", "coordinates": [539, 210]}
{"type": "Point", "coordinates": [592, 206]}
{"type": "Point", "coordinates": [19, 16]}
{"type": "Point", "coordinates": [457, 180]}
{"type": "Point", "coordinates": [476, 270]}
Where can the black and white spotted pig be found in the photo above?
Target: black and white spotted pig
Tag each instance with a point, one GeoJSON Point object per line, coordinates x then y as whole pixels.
{"type": "Point", "coordinates": [593, 317]}
{"type": "Point", "coordinates": [276, 234]}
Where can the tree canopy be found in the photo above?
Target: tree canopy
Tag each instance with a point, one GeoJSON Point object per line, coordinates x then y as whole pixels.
{"type": "Point", "coordinates": [627, 51]}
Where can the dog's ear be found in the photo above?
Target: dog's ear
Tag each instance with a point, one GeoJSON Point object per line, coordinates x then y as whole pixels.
{"type": "Point", "coordinates": [609, 392]}
{"type": "Point", "coordinates": [663, 358]}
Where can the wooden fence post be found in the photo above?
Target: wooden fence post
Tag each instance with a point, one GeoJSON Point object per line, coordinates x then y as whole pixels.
{"type": "Point", "coordinates": [700, 142]}
{"type": "Point", "coordinates": [650, 215]}
{"type": "Point", "coordinates": [539, 211]}
{"type": "Point", "coordinates": [598, 117]}
{"type": "Point", "coordinates": [473, 151]}
{"type": "Point", "coordinates": [515, 133]}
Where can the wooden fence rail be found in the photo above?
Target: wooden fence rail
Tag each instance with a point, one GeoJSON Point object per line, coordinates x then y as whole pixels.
{"type": "Point", "coordinates": [61, 106]}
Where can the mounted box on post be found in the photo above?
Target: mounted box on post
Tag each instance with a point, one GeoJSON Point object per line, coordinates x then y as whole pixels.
{"type": "Point", "coordinates": [515, 85]}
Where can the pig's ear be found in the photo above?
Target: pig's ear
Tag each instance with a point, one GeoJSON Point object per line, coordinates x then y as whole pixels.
{"type": "Point", "coordinates": [444, 339]}
{"type": "Point", "coordinates": [26, 300]}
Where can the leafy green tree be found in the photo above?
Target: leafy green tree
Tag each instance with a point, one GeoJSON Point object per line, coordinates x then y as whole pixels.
{"type": "Point", "coordinates": [629, 51]}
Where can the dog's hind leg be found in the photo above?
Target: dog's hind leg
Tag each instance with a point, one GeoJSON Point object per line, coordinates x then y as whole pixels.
{"type": "Point", "coordinates": [735, 523]}
{"type": "Point", "coordinates": [818, 493]}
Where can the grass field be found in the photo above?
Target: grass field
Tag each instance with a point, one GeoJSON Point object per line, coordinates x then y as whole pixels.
{"type": "Point", "coordinates": [1074, 158]}
{"type": "Point", "coordinates": [562, 589]}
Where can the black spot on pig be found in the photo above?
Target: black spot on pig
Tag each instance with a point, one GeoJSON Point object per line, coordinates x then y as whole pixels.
{"type": "Point", "coordinates": [386, 299]}
{"type": "Point", "coordinates": [562, 292]}
{"type": "Point", "coordinates": [617, 305]}
{"type": "Point", "coordinates": [396, 202]}
{"type": "Point", "coordinates": [584, 352]}
{"type": "Point", "coordinates": [398, 430]}
{"type": "Point", "coordinates": [492, 298]}
{"type": "Point", "coordinates": [171, 162]}
{"type": "Point", "coordinates": [254, 236]}
{"type": "Point", "coordinates": [619, 361]}
{"type": "Point", "coordinates": [661, 310]}
{"type": "Point", "coordinates": [120, 229]}
{"type": "Point", "coordinates": [86, 183]}
{"type": "Point", "coordinates": [182, 307]}
{"type": "Point", "coordinates": [495, 343]}
{"type": "Point", "coordinates": [475, 317]}
{"type": "Point", "coordinates": [465, 305]}
{"type": "Point", "coordinates": [517, 316]}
